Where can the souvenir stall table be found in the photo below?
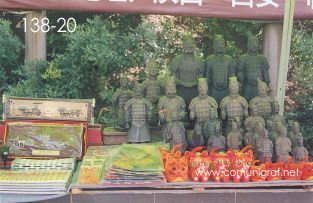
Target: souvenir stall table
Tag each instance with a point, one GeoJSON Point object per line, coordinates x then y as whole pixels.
{"type": "Point", "coordinates": [231, 130]}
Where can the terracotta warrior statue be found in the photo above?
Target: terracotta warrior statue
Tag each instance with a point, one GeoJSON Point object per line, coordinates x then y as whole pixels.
{"type": "Point", "coordinates": [187, 68]}
{"type": "Point", "coordinates": [219, 67]}
{"type": "Point", "coordinates": [176, 131]}
{"type": "Point", "coordinates": [263, 103]}
{"type": "Point", "coordinates": [235, 137]}
{"type": "Point", "coordinates": [119, 99]}
{"type": "Point", "coordinates": [153, 91]}
{"type": "Point", "coordinates": [300, 153]}
{"type": "Point", "coordinates": [138, 112]}
{"type": "Point", "coordinates": [203, 109]}
{"type": "Point", "coordinates": [265, 148]}
{"type": "Point", "coordinates": [170, 104]}
{"type": "Point", "coordinates": [218, 140]}
{"type": "Point", "coordinates": [295, 134]}
{"type": "Point", "coordinates": [233, 106]}
{"type": "Point", "coordinates": [252, 66]}
{"type": "Point", "coordinates": [254, 119]}
{"type": "Point", "coordinates": [282, 144]}
{"type": "Point", "coordinates": [255, 134]}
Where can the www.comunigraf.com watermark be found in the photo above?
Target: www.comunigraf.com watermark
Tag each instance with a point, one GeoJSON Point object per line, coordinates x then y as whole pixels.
{"type": "Point", "coordinates": [253, 172]}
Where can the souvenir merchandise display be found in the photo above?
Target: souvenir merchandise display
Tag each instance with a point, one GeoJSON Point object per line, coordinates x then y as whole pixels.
{"type": "Point", "coordinates": [221, 162]}
{"type": "Point", "coordinates": [199, 165]}
{"type": "Point", "coordinates": [135, 164]}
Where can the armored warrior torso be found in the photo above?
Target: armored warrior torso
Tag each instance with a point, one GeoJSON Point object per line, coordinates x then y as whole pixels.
{"type": "Point", "coordinates": [264, 106]}
{"type": "Point", "coordinates": [234, 108]}
{"type": "Point", "coordinates": [218, 142]}
{"type": "Point", "coordinates": [265, 149]}
{"type": "Point", "coordinates": [282, 147]}
{"type": "Point", "coordinates": [203, 109]}
{"type": "Point", "coordinates": [152, 91]}
{"type": "Point", "coordinates": [234, 140]}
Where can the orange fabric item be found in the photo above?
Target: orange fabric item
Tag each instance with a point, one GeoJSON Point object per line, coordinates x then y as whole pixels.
{"type": "Point", "coordinates": [275, 170]}
{"type": "Point", "coordinates": [293, 171]}
{"type": "Point", "coordinates": [220, 165]}
{"type": "Point", "coordinates": [199, 164]}
{"type": "Point", "coordinates": [258, 173]}
{"type": "Point", "coordinates": [175, 165]}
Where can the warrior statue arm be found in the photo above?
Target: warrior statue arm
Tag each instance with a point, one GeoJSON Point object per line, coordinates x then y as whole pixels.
{"type": "Point", "coordinates": [162, 110]}
{"type": "Point", "coordinates": [240, 70]}
{"type": "Point", "coordinates": [223, 107]}
{"type": "Point", "coordinates": [127, 109]}
{"type": "Point", "coordinates": [149, 108]}
{"type": "Point", "coordinates": [265, 69]}
{"type": "Point", "coordinates": [182, 108]}
{"type": "Point", "coordinates": [192, 106]}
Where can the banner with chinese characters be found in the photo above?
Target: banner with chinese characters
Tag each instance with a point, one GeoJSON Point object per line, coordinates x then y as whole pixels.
{"type": "Point", "coordinates": [48, 109]}
{"type": "Point", "coordinates": [34, 139]}
{"type": "Point", "coordinates": [231, 9]}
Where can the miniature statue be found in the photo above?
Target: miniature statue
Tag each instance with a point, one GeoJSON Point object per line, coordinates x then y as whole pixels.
{"type": "Point", "coordinates": [119, 99]}
{"type": "Point", "coordinates": [153, 91]}
{"type": "Point", "coordinates": [295, 134]}
{"type": "Point", "coordinates": [252, 66]}
{"type": "Point", "coordinates": [253, 138]}
{"type": "Point", "coordinates": [176, 131]}
{"type": "Point", "coordinates": [282, 144]}
{"type": "Point", "coordinates": [217, 141]}
{"type": "Point", "coordinates": [265, 148]}
{"type": "Point", "coordinates": [138, 112]}
{"type": "Point", "coordinates": [272, 135]}
{"type": "Point", "coordinates": [254, 119]}
{"type": "Point", "coordinates": [234, 138]}
{"type": "Point", "coordinates": [219, 67]}
{"type": "Point", "coordinates": [187, 68]}
{"type": "Point", "coordinates": [168, 104]}
{"type": "Point", "coordinates": [300, 153]}
{"type": "Point", "coordinates": [263, 102]}
{"type": "Point", "coordinates": [233, 106]}
{"type": "Point", "coordinates": [204, 109]}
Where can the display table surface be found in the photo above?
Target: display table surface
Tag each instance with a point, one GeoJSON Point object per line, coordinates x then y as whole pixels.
{"type": "Point", "coordinates": [268, 192]}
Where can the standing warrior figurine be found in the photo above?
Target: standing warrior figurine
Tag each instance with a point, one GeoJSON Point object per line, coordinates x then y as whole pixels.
{"type": "Point", "coordinates": [153, 91]}
{"type": "Point", "coordinates": [176, 131]}
{"type": "Point", "coordinates": [282, 144]}
{"type": "Point", "coordinates": [300, 153]}
{"type": "Point", "coordinates": [187, 68]}
{"type": "Point", "coordinates": [233, 106]}
{"type": "Point", "coordinates": [254, 119]}
{"type": "Point", "coordinates": [252, 66]}
{"type": "Point", "coordinates": [234, 138]}
{"type": "Point", "coordinates": [263, 103]}
{"type": "Point", "coordinates": [119, 99]}
{"type": "Point", "coordinates": [171, 104]}
{"type": "Point", "coordinates": [204, 109]}
{"type": "Point", "coordinates": [218, 140]}
{"type": "Point", "coordinates": [219, 67]}
{"type": "Point", "coordinates": [295, 134]}
{"type": "Point", "coordinates": [265, 148]}
{"type": "Point", "coordinates": [138, 112]}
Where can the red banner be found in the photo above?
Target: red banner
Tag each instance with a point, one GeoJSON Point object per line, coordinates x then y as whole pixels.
{"type": "Point", "coordinates": [230, 9]}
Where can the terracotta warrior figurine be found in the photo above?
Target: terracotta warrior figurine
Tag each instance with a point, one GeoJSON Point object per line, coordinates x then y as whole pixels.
{"type": "Point", "coordinates": [153, 91]}
{"type": "Point", "coordinates": [219, 67]}
{"type": "Point", "coordinates": [119, 99]}
{"type": "Point", "coordinates": [187, 68]}
{"type": "Point", "coordinates": [252, 66]}
{"type": "Point", "coordinates": [168, 104]}
{"type": "Point", "coordinates": [295, 134]}
{"type": "Point", "coordinates": [300, 153]}
{"type": "Point", "coordinates": [233, 106]}
{"type": "Point", "coordinates": [263, 103]}
{"type": "Point", "coordinates": [203, 109]}
{"type": "Point", "coordinates": [256, 133]}
{"type": "Point", "coordinates": [176, 131]}
{"type": "Point", "coordinates": [218, 140]}
{"type": "Point", "coordinates": [254, 119]}
{"type": "Point", "coordinates": [138, 112]}
{"type": "Point", "coordinates": [265, 148]}
{"type": "Point", "coordinates": [234, 138]}
{"type": "Point", "coordinates": [282, 144]}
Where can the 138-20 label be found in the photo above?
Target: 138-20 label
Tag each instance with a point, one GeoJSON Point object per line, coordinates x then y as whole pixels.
{"type": "Point", "coordinates": [43, 25]}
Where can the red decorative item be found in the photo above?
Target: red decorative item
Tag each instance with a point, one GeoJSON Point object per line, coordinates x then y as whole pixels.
{"type": "Point", "coordinates": [274, 170]}
{"type": "Point", "coordinates": [199, 164]}
{"type": "Point", "coordinates": [220, 165]}
{"type": "Point", "coordinates": [258, 172]}
{"type": "Point", "coordinates": [307, 171]}
{"type": "Point", "coordinates": [241, 162]}
{"type": "Point", "coordinates": [176, 165]}
{"type": "Point", "coordinates": [293, 171]}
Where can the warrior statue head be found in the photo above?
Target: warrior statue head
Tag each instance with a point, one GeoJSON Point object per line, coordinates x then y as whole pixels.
{"type": "Point", "coordinates": [188, 43]}
{"type": "Point", "coordinates": [219, 45]}
{"type": "Point", "coordinates": [233, 87]}
{"type": "Point", "coordinates": [138, 89]}
{"type": "Point", "coordinates": [262, 88]}
{"type": "Point", "coordinates": [259, 128]}
{"type": "Point", "coordinates": [295, 127]}
{"type": "Point", "coordinates": [124, 81]}
{"type": "Point", "coordinates": [170, 88]}
{"type": "Point", "coordinates": [203, 88]}
{"type": "Point", "coordinates": [253, 45]}
{"type": "Point", "coordinates": [152, 67]}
